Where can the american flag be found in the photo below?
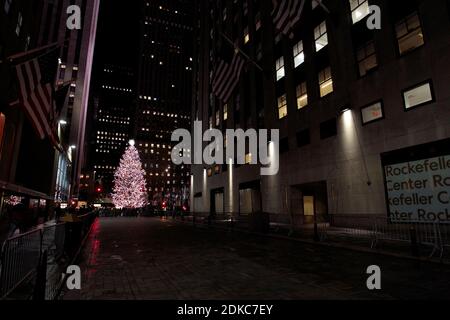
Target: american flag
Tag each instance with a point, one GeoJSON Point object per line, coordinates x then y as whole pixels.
{"type": "Point", "coordinates": [286, 14]}
{"type": "Point", "coordinates": [226, 76]}
{"type": "Point", "coordinates": [36, 79]}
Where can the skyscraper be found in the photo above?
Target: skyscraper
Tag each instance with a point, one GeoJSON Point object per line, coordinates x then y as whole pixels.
{"type": "Point", "coordinates": [113, 97]}
{"type": "Point", "coordinates": [75, 68]}
{"type": "Point", "coordinates": [27, 26]}
{"type": "Point", "coordinates": [113, 103]}
{"type": "Point", "coordinates": [164, 91]}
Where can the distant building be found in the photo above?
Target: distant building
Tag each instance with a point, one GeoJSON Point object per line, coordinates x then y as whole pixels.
{"type": "Point", "coordinates": [114, 108]}
{"type": "Point", "coordinates": [164, 92]}
{"type": "Point", "coordinates": [353, 106]}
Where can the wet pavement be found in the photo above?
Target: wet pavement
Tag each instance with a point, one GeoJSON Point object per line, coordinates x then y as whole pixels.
{"type": "Point", "coordinates": [146, 258]}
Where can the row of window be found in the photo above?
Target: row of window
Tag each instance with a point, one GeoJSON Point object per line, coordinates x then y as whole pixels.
{"type": "Point", "coordinates": [409, 37]}
{"type": "Point", "coordinates": [416, 96]}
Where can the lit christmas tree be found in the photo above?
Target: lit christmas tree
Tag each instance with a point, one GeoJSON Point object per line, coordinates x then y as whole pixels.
{"type": "Point", "coordinates": [130, 191]}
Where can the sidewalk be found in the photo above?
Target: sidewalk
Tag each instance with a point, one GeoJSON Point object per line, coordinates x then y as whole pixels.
{"type": "Point", "coordinates": [360, 240]}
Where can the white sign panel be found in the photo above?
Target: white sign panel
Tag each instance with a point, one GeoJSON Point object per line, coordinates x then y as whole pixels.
{"type": "Point", "coordinates": [419, 190]}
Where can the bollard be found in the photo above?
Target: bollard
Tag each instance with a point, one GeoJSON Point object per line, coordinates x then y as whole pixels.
{"type": "Point", "coordinates": [414, 242]}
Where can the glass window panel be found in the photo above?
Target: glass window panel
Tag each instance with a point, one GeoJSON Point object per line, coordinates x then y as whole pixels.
{"type": "Point", "coordinates": [418, 96]}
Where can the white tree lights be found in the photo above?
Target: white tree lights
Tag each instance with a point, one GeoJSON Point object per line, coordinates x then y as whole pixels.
{"type": "Point", "coordinates": [130, 189]}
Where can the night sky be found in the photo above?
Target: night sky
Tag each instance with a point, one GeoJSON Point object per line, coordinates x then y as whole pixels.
{"type": "Point", "coordinates": [118, 31]}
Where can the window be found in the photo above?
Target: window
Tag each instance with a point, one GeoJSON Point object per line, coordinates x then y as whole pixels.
{"type": "Point", "coordinates": [325, 82]}
{"type": "Point", "coordinates": [7, 6]}
{"type": "Point", "coordinates": [409, 33]}
{"type": "Point", "coordinates": [328, 129]}
{"type": "Point", "coordinates": [320, 36]}
{"type": "Point", "coordinates": [303, 138]}
{"type": "Point", "coordinates": [279, 65]}
{"type": "Point", "coordinates": [248, 158]}
{"type": "Point", "coordinates": [360, 9]}
{"type": "Point", "coordinates": [299, 55]}
{"type": "Point", "coordinates": [282, 107]}
{"type": "Point", "coordinates": [367, 58]}
{"type": "Point", "coordinates": [217, 118]}
{"type": "Point", "coordinates": [246, 36]}
{"type": "Point", "coordinates": [302, 96]}
{"type": "Point", "coordinates": [372, 113]}
{"type": "Point", "coordinates": [19, 24]}
{"type": "Point", "coordinates": [418, 96]}
{"type": "Point", "coordinates": [225, 112]}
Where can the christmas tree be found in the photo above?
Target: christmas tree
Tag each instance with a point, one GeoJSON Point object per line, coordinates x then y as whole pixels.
{"type": "Point", "coordinates": [130, 189]}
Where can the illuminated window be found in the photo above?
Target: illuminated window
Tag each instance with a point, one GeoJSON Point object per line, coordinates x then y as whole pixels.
{"type": "Point", "coordinates": [282, 107]}
{"type": "Point", "coordinates": [302, 96]}
{"type": "Point", "coordinates": [325, 82]}
{"type": "Point", "coordinates": [360, 9]}
{"type": "Point", "coordinates": [372, 113]}
{"type": "Point", "coordinates": [321, 36]}
{"type": "Point", "coordinates": [418, 96]}
{"type": "Point", "coordinates": [225, 112]}
{"type": "Point", "coordinates": [248, 158]}
{"type": "Point", "coordinates": [409, 33]}
{"type": "Point", "coordinates": [367, 58]}
{"type": "Point", "coordinates": [246, 36]}
{"type": "Point", "coordinates": [299, 55]}
{"type": "Point", "coordinates": [279, 65]}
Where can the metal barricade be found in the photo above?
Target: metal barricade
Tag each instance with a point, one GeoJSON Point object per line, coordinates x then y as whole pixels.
{"type": "Point", "coordinates": [19, 257]}
{"type": "Point", "coordinates": [414, 232]}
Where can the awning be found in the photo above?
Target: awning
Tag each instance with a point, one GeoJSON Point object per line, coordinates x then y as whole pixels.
{"type": "Point", "coordinates": [22, 191]}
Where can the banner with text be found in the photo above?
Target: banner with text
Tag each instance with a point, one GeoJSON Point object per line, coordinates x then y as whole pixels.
{"type": "Point", "coordinates": [419, 190]}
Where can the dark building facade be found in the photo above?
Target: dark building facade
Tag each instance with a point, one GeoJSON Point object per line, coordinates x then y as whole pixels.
{"type": "Point", "coordinates": [164, 92]}
{"type": "Point", "coordinates": [356, 109]}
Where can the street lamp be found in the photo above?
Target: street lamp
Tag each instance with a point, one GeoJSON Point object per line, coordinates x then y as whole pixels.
{"type": "Point", "coordinates": [62, 122]}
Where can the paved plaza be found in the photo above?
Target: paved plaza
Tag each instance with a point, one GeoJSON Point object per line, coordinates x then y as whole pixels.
{"type": "Point", "coordinates": [149, 258]}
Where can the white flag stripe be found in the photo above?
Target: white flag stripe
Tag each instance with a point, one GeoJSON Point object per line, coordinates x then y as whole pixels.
{"type": "Point", "coordinates": [31, 77]}
{"type": "Point", "coordinates": [37, 105]}
{"type": "Point", "coordinates": [45, 103]}
{"type": "Point", "coordinates": [226, 78]}
{"type": "Point", "coordinates": [36, 97]}
{"type": "Point", "coordinates": [34, 120]}
{"type": "Point", "coordinates": [22, 86]}
{"type": "Point", "coordinates": [233, 79]}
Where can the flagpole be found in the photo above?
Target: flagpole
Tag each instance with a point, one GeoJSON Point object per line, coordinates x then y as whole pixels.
{"type": "Point", "coordinates": [236, 48]}
{"type": "Point", "coordinates": [54, 46]}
